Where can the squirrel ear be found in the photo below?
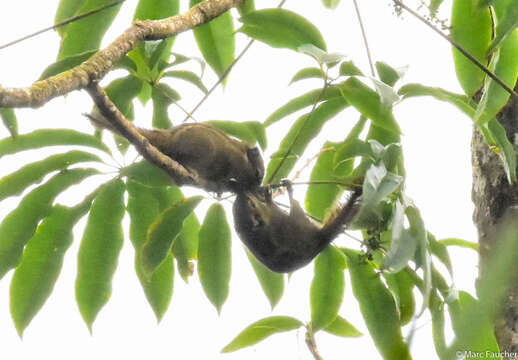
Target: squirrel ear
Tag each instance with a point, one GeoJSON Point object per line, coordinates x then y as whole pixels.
{"type": "Point", "coordinates": [253, 153]}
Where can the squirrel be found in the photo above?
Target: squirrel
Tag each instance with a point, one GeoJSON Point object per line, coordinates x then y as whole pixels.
{"type": "Point", "coordinates": [283, 241]}
{"type": "Point", "coordinates": [229, 164]}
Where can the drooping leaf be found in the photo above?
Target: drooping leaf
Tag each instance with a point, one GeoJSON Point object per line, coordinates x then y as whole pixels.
{"type": "Point", "coordinates": [471, 29]}
{"type": "Point", "coordinates": [368, 103]}
{"type": "Point", "coordinates": [9, 119]}
{"type": "Point", "coordinates": [504, 64]}
{"type": "Point", "coordinates": [300, 102]}
{"type": "Point", "coordinates": [352, 146]}
{"type": "Point", "coordinates": [34, 279]}
{"type": "Point", "coordinates": [188, 76]}
{"type": "Point", "coordinates": [403, 244]}
{"type": "Point", "coordinates": [301, 133]}
{"type": "Point", "coordinates": [99, 251]}
{"type": "Point", "coordinates": [216, 41]}
{"type": "Point", "coordinates": [458, 100]}
{"type": "Point", "coordinates": [147, 174]}
{"type": "Point", "coordinates": [327, 288]}
{"type": "Point", "coordinates": [272, 283]}
{"type": "Point", "coordinates": [387, 73]}
{"type": "Point", "coordinates": [507, 13]}
{"type": "Point", "coordinates": [185, 246]}
{"type": "Point", "coordinates": [16, 182]}
{"type": "Point", "coordinates": [341, 327]}
{"type": "Point", "coordinates": [214, 256]}
{"type": "Point", "coordinates": [49, 137]}
{"type": "Point", "coordinates": [401, 285]}
{"type": "Point", "coordinates": [162, 232]}
{"type": "Point", "coordinates": [122, 91]}
{"type": "Point", "coordinates": [66, 64]}
{"type": "Point", "coordinates": [308, 73]}
{"type": "Point", "coordinates": [504, 150]}
{"type": "Point", "coordinates": [377, 307]}
{"type": "Point", "coordinates": [321, 197]}
{"type": "Point", "coordinates": [322, 57]}
{"type": "Point", "coordinates": [163, 96]}
{"type": "Point", "coordinates": [66, 9]}
{"type": "Point", "coordinates": [19, 225]}
{"type": "Point", "coordinates": [281, 28]}
{"type": "Point", "coordinates": [143, 208]}
{"type": "Point", "coordinates": [73, 39]}
{"type": "Point", "coordinates": [262, 329]}
{"type": "Point", "coordinates": [440, 251]}
{"type": "Point", "coordinates": [250, 131]}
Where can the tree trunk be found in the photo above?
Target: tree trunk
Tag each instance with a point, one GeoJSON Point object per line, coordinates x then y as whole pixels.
{"type": "Point", "coordinates": [493, 196]}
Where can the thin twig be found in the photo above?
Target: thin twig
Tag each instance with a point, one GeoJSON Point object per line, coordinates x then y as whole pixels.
{"type": "Point", "coordinates": [62, 23]}
{"type": "Point", "coordinates": [459, 48]}
{"type": "Point", "coordinates": [224, 75]}
{"type": "Point", "coordinates": [364, 36]}
{"type": "Point", "coordinates": [312, 345]}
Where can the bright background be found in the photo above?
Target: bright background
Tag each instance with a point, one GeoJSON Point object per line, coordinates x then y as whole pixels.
{"type": "Point", "coordinates": [436, 142]}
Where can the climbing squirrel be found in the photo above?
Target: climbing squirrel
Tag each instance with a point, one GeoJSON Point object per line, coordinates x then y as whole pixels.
{"type": "Point", "coordinates": [228, 164]}
{"type": "Point", "coordinates": [283, 241]}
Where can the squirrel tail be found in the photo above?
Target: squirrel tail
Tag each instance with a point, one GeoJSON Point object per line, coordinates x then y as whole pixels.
{"type": "Point", "coordinates": [341, 219]}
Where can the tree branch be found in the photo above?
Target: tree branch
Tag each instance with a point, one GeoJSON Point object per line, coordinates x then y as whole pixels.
{"type": "Point", "coordinates": [177, 172]}
{"type": "Point", "coordinates": [95, 68]}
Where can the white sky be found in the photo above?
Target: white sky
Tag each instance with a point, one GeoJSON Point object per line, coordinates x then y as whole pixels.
{"type": "Point", "coordinates": [436, 145]}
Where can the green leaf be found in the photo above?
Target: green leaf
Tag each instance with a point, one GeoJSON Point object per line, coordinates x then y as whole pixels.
{"type": "Point", "coordinates": [507, 13]}
{"type": "Point", "coordinates": [250, 131]}
{"type": "Point", "coordinates": [272, 283]}
{"type": "Point", "coordinates": [505, 150]}
{"type": "Point", "coordinates": [401, 285]}
{"type": "Point", "coordinates": [301, 133]}
{"type": "Point", "coordinates": [387, 74]}
{"type": "Point", "coordinates": [34, 279]}
{"type": "Point", "coordinates": [403, 245]}
{"type": "Point", "coordinates": [19, 225]}
{"type": "Point", "coordinates": [327, 288]}
{"type": "Point", "coordinates": [319, 197]}
{"type": "Point", "coordinates": [216, 41]}
{"type": "Point", "coordinates": [308, 73]}
{"type": "Point", "coordinates": [459, 242]}
{"type": "Point", "coordinates": [185, 246]}
{"type": "Point", "coordinates": [214, 256]}
{"type": "Point", "coordinates": [377, 307]}
{"type": "Point", "coordinates": [321, 56]}
{"type": "Point", "coordinates": [163, 96]}
{"type": "Point", "coordinates": [369, 104]}
{"type": "Point", "coordinates": [331, 4]}
{"type": "Point", "coordinates": [15, 183]}
{"type": "Point", "coordinates": [143, 208]}
{"type": "Point", "coordinates": [246, 7]}
{"type": "Point", "coordinates": [504, 65]}
{"type": "Point", "coordinates": [99, 251]}
{"type": "Point", "coordinates": [66, 9]}
{"type": "Point", "coordinates": [73, 39]}
{"type": "Point", "coordinates": [343, 160]}
{"type": "Point", "coordinates": [66, 64]}
{"type": "Point", "coordinates": [342, 327]}
{"type": "Point", "coordinates": [162, 232]}
{"type": "Point", "coordinates": [458, 100]}
{"type": "Point", "coordinates": [49, 137]}
{"type": "Point", "coordinates": [188, 76]}
{"type": "Point", "coordinates": [347, 68]}
{"type": "Point", "coordinates": [471, 29]}
{"type": "Point", "coordinates": [122, 91]}
{"type": "Point", "coordinates": [460, 313]}
{"type": "Point", "coordinates": [152, 52]}
{"type": "Point", "coordinates": [440, 251]}
{"type": "Point", "coordinates": [300, 102]}
{"type": "Point", "coordinates": [262, 329]}
{"type": "Point", "coordinates": [9, 119]}
{"type": "Point", "coordinates": [147, 174]}
{"type": "Point", "coordinates": [281, 28]}
{"type": "Point", "coordinates": [434, 6]}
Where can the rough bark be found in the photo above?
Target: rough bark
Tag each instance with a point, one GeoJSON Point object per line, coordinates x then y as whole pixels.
{"type": "Point", "coordinates": [493, 196]}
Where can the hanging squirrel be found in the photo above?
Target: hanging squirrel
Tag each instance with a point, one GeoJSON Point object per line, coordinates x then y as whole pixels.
{"type": "Point", "coordinates": [286, 242]}
{"type": "Point", "coordinates": [229, 164]}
